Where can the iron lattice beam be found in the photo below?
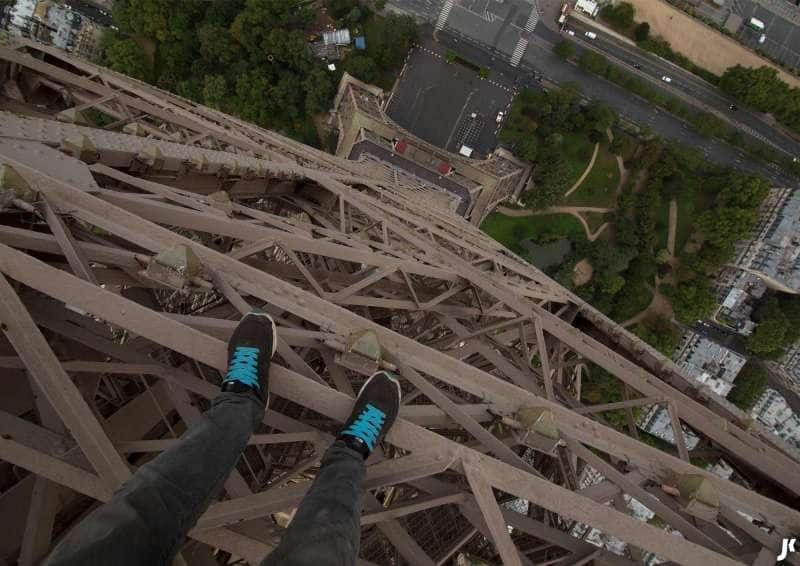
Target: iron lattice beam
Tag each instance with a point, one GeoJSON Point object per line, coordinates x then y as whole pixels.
{"type": "Point", "coordinates": [328, 247]}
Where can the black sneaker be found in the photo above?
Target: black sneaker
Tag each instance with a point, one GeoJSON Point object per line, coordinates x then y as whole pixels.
{"type": "Point", "coordinates": [374, 413]}
{"type": "Point", "coordinates": [250, 351]}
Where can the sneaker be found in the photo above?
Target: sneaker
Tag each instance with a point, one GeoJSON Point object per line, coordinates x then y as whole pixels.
{"type": "Point", "coordinates": [250, 351]}
{"type": "Point", "coordinates": [374, 413]}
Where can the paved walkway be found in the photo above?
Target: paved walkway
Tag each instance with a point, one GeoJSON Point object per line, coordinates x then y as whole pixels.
{"type": "Point", "coordinates": [585, 172]}
{"type": "Point", "coordinates": [673, 225]}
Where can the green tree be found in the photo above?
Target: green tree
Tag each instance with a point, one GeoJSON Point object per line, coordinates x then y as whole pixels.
{"type": "Point", "coordinates": [760, 88]}
{"type": "Point", "coordinates": [600, 115]}
{"type": "Point", "coordinates": [550, 182]}
{"type": "Point", "coordinates": [127, 57]}
{"type": "Point", "coordinates": [215, 91]}
{"type": "Point", "coordinates": [750, 384]}
{"type": "Point", "coordinates": [743, 189]}
{"type": "Point", "coordinates": [642, 32]}
{"type": "Point", "coordinates": [593, 62]}
{"type": "Point", "coordinates": [564, 49]}
{"type": "Point", "coordinates": [692, 300]}
{"type": "Point", "coordinates": [707, 124]}
{"type": "Point", "coordinates": [362, 67]}
{"type": "Point", "coordinates": [620, 15]}
{"type": "Point", "coordinates": [725, 226]}
{"type": "Point", "coordinates": [768, 339]}
{"type": "Point", "coordinates": [660, 333]}
{"type": "Point", "coordinates": [663, 256]}
{"type": "Point", "coordinates": [160, 20]}
{"type": "Point", "coordinates": [319, 89]}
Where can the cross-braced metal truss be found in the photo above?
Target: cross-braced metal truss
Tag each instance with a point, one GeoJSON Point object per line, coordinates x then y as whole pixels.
{"type": "Point", "coordinates": [128, 252]}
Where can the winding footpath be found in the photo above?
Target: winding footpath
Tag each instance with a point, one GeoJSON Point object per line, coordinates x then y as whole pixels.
{"type": "Point", "coordinates": [585, 172]}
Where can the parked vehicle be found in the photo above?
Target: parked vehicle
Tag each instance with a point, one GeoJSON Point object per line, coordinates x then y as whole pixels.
{"type": "Point", "coordinates": [500, 116]}
{"type": "Point", "coordinates": [666, 79]}
{"type": "Point", "coordinates": [756, 24]}
{"type": "Point", "coordinates": [591, 35]}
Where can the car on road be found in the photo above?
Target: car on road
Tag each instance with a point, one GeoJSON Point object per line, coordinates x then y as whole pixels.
{"type": "Point", "coordinates": [762, 38]}
{"type": "Point", "coordinates": [569, 31]}
{"type": "Point", "coordinates": [500, 116]}
{"type": "Point", "coordinates": [666, 79]}
{"type": "Point", "coordinates": [637, 66]}
{"type": "Point", "coordinates": [733, 108]}
{"type": "Point", "coordinates": [591, 35]}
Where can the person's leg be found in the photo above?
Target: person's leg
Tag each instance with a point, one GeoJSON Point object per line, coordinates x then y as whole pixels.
{"type": "Point", "coordinates": [147, 519]}
{"type": "Point", "coordinates": [326, 530]}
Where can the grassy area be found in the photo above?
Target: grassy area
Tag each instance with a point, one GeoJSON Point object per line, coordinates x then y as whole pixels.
{"type": "Point", "coordinates": [595, 220]}
{"type": "Point", "coordinates": [577, 150]}
{"type": "Point", "coordinates": [599, 187]}
{"type": "Point", "coordinates": [511, 231]}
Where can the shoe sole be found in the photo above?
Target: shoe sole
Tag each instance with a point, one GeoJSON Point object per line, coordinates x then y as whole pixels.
{"type": "Point", "coordinates": [274, 329]}
{"type": "Point", "coordinates": [384, 372]}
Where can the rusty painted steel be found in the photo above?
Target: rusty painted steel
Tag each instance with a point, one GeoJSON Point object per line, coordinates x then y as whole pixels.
{"type": "Point", "coordinates": [127, 354]}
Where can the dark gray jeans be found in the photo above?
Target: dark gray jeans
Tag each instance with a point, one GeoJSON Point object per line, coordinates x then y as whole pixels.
{"type": "Point", "coordinates": [146, 521]}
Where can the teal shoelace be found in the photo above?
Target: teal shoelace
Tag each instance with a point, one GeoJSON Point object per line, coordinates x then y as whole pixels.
{"type": "Point", "coordinates": [244, 366]}
{"type": "Point", "coordinates": [368, 425]}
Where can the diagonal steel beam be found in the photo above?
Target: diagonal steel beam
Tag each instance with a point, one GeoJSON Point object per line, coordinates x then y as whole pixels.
{"type": "Point", "coordinates": [59, 389]}
{"type": "Point", "coordinates": [491, 512]}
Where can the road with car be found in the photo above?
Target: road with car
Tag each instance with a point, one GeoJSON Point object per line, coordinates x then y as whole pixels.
{"type": "Point", "coordinates": [490, 40]}
{"type": "Point", "coordinates": [682, 83]}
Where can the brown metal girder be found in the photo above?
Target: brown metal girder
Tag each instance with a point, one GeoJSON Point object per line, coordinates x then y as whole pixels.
{"type": "Point", "coordinates": [139, 104]}
{"type": "Point", "coordinates": [406, 546]}
{"type": "Point", "coordinates": [193, 220]}
{"type": "Point", "coordinates": [484, 497]}
{"type": "Point", "coordinates": [41, 242]}
{"type": "Point", "coordinates": [91, 485]}
{"type": "Point", "coordinates": [54, 469]}
{"type": "Point", "coordinates": [489, 441]}
{"type": "Point", "coordinates": [677, 521]}
{"type": "Point", "coordinates": [460, 375]}
{"type": "Point", "coordinates": [523, 377]}
{"type": "Point", "coordinates": [641, 401]}
{"type": "Point", "coordinates": [156, 189]}
{"type": "Point", "coordinates": [46, 501]}
{"type": "Point", "coordinates": [61, 392]}
{"type": "Point", "coordinates": [159, 445]}
{"type": "Point", "coordinates": [677, 431]}
{"type": "Point", "coordinates": [410, 506]}
{"type": "Point", "coordinates": [545, 493]}
{"type": "Point", "coordinates": [387, 472]}
{"type": "Point", "coordinates": [690, 410]}
{"type": "Point", "coordinates": [75, 257]}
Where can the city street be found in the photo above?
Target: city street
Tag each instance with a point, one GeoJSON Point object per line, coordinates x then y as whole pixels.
{"type": "Point", "coordinates": [685, 85]}
{"type": "Point", "coordinates": [537, 61]}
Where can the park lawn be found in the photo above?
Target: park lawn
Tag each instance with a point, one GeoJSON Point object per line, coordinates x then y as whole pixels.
{"type": "Point", "coordinates": [511, 231]}
{"type": "Point", "coordinates": [595, 220]}
{"type": "Point", "coordinates": [600, 185]}
{"type": "Point", "coordinates": [577, 150]}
